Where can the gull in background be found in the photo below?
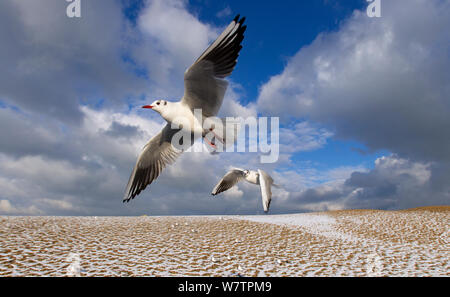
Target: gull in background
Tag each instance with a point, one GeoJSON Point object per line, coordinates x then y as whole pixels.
{"type": "Point", "coordinates": [259, 177]}
{"type": "Point", "coordinates": [204, 89]}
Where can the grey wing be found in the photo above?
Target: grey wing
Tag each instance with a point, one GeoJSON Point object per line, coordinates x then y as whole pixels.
{"type": "Point", "coordinates": [265, 182]}
{"type": "Point", "coordinates": [204, 81]}
{"type": "Point", "coordinates": [156, 155]}
{"type": "Point", "coordinates": [228, 181]}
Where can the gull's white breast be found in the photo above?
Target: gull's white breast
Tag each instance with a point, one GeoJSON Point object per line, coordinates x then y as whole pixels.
{"type": "Point", "coordinates": [181, 115]}
{"type": "Point", "coordinates": [253, 178]}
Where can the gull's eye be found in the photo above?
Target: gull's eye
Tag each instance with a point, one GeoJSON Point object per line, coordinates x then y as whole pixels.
{"type": "Point", "coordinates": [157, 103]}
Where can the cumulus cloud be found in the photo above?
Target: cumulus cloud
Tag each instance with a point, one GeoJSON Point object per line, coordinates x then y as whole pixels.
{"type": "Point", "coordinates": [382, 81]}
{"type": "Point", "coordinates": [385, 83]}
{"type": "Point", "coordinates": [55, 63]}
{"type": "Point", "coordinates": [83, 171]}
{"type": "Point", "coordinates": [71, 87]}
{"type": "Point", "coordinates": [7, 208]}
{"type": "Point", "coordinates": [394, 183]}
{"type": "Point", "coordinates": [66, 92]}
{"type": "Point", "coordinates": [303, 136]}
{"type": "Point", "coordinates": [170, 40]}
{"type": "Point", "coordinates": [226, 12]}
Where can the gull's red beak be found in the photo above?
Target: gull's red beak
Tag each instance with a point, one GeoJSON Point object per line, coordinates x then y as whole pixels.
{"type": "Point", "coordinates": [147, 106]}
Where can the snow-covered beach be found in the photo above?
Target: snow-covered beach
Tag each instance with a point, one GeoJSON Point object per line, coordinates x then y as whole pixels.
{"type": "Point", "coordinates": [343, 243]}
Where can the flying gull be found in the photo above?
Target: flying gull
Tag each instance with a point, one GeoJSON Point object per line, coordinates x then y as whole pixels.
{"type": "Point", "coordinates": [259, 177]}
{"type": "Point", "coordinates": [205, 87]}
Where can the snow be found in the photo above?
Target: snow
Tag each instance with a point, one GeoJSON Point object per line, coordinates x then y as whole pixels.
{"type": "Point", "coordinates": [351, 243]}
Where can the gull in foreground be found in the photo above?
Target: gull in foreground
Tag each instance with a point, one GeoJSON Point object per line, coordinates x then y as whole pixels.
{"type": "Point", "coordinates": [259, 177]}
{"type": "Point", "coordinates": [204, 89]}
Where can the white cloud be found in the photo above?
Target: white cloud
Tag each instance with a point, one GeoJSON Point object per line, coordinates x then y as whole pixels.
{"type": "Point", "coordinates": [304, 177]}
{"type": "Point", "coordinates": [394, 183]}
{"type": "Point", "coordinates": [7, 208]}
{"type": "Point", "coordinates": [226, 12]}
{"type": "Point", "coordinates": [59, 204]}
{"type": "Point", "coordinates": [302, 137]}
{"type": "Point", "coordinates": [384, 83]}
{"type": "Point", "coordinates": [62, 62]}
{"type": "Point", "coordinates": [88, 171]}
{"type": "Point", "coordinates": [396, 167]}
{"type": "Point", "coordinates": [177, 30]}
{"type": "Point", "coordinates": [66, 158]}
{"type": "Point", "coordinates": [231, 106]}
{"type": "Point", "coordinates": [234, 193]}
{"type": "Point", "coordinates": [172, 39]}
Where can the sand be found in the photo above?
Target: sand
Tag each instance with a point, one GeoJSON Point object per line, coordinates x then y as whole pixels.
{"type": "Point", "coordinates": [343, 243]}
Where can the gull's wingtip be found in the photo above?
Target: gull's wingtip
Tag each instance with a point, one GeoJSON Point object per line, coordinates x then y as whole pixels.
{"type": "Point", "coordinates": [239, 20]}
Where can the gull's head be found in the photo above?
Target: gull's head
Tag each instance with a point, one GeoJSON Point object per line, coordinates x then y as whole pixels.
{"type": "Point", "coordinates": [158, 106]}
{"type": "Point", "coordinates": [246, 172]}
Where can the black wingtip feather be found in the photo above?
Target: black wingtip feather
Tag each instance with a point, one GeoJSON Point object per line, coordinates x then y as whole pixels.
{"type": "Point", "coordinates": [225, 52]}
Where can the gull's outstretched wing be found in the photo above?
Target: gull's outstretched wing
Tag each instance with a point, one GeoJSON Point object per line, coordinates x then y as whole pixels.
{"type": "Point", "coordinates": [204, 81]}
{"type": "Point", "coordinates": [265, 182]}
{"type": "Point", "coordinates": [156, 155]}
{"type": "Point", "coordinates": [228, 181]}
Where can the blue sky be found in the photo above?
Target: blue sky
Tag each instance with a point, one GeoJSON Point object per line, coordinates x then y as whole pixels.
{"type": "Point", "coordinates": [363, 104]}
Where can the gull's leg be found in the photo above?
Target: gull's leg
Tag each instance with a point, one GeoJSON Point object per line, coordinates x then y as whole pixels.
{"type": "Point", "coordinates": [217, 136]}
